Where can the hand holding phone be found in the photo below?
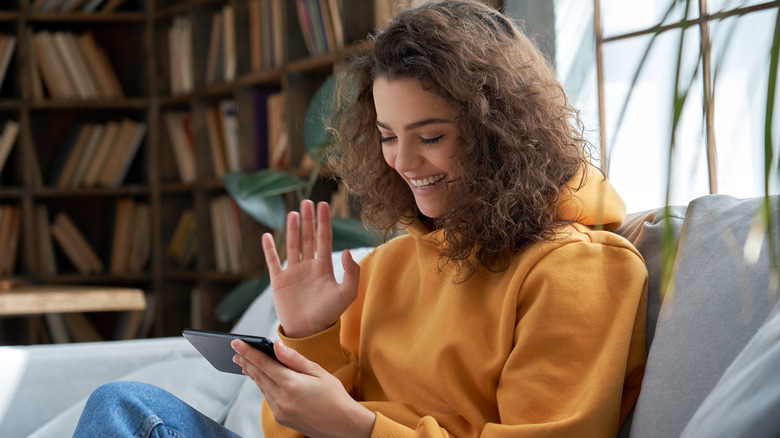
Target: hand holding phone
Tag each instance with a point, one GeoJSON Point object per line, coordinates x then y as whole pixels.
{"type": "Point", "coordinates": [215, 347]}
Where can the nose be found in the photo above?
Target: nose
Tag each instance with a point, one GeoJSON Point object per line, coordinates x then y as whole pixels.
{"type": "Point", "coordinates": [407, 157]}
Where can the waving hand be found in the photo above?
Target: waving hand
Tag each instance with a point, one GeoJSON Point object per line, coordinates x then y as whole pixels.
{"type": "Point", "coordinates": [307, 296]}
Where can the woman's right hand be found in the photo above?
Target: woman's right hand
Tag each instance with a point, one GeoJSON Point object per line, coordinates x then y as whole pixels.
{"type": "Point", "coordinates": [307, 297]}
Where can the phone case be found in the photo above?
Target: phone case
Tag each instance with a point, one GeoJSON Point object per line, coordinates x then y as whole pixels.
{"type": "Point", "coordinates": [215, 347]}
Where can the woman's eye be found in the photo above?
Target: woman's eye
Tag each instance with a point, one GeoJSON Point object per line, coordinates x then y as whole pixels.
{"type": "Point", "coordinates": [430, 140]}
{"type": "Point", "coordinates": [383, 139]}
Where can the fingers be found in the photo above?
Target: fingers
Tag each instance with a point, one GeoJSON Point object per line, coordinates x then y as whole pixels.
{"type": "Point", "coordinates": [324, 232]}
{"type": "Point", "coordinates": [351, 271]}
{"type": "Point", "coordinates": [255, 364]}
{"type": "Point", "coordinates": [308, 244]}
{"type": "Point", "coordinates": [271, 256]}
{"type": "Point", "coordinates": [260, 366]}
{"type": "Point", "coordinates": [293, 239]}
{"type": "Point", "coordinates": [309, 238]}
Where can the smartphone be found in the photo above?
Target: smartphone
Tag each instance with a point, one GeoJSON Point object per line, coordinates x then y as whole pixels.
{"type": "Point", "coordinates": [215, 347]}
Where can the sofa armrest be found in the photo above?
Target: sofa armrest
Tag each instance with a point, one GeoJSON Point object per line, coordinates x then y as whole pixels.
{"type": "Point", "coordinates": [41, 381]}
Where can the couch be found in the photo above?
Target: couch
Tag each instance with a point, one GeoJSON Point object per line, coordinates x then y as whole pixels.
{"type": "Point", "coordinates": [712, 343]}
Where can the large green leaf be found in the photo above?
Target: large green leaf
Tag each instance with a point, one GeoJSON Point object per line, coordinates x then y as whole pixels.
{"type": "Point", "coordinates": [260, 194]}
{"type": "Point", "coordinates": [238, 300]}
{"type": "Point", "coordinates": [350, 233]}
{"type": "Point", "coordinates": [261, 183]}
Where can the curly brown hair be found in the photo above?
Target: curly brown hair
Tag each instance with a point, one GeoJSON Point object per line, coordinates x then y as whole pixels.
{"type": "Point", "coordinates": [519, 139]}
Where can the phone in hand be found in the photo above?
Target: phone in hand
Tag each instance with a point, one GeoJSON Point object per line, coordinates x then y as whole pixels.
{"type": "Point", "coordinates": [215, 347]}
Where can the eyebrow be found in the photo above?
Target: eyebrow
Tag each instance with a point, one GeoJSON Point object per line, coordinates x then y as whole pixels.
{"type": "Point", "coordinates": [416, 125]}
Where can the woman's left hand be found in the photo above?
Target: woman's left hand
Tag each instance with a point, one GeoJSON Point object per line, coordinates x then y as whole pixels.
{"type": "Point", "coordinates": [302, 395]}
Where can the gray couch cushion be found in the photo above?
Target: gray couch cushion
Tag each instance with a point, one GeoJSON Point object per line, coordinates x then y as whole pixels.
{"type": "Point", "coordinates": [719, 300]}
{"type": "Point", "coordinates": [746, 400]}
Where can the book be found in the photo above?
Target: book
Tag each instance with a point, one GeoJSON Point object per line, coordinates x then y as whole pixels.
{"type": "Point", "coordinates": [64, 153]}
{"type": "Point", "coordinates": [7, 141]}
{"type": "Point", "coordinates": [74, 67]}
{"type": "Point", "coordinates": [304, 19]}
{"type": "Point", "coordinates": [112, 5]}
{"type": "Point", "coordinates": [41, 6]}
{"type": "Point", "coordinates": [255, 35]}
{"type": "Point", "coordinates": [229, 43]}
{"type": "Point", "coordinates": [71, 5]}
{"type": "Point", "coordinates": [277, 33]}
{"type": "Point", "coordinates": [10, 225]}
{"type": "Point", "coordinates": [35, 70]}
{"type": "Point", "coordinates": [87, 156]}
{"type": "Point", "coordinates": [128, 141]}
{"type": "Point", "coordinates": [219, 235]}
{"type": "Point", "coordinates": [215, 55]}
{"type": "Point", "coordinates": [180, 59]}
{"type": "Point", "coordinates": [183, 244]}
{"type": "Point", "coordinates": [233, 229]}
{"type": "Point", "coordinates": [229, 123]}
{"type": "Point", "coordinates": [334, 7]}
{"type": "Point", "coordinates": [102, 152]}
{"type": "Point", "coordinates": [100, 67]}
{"type": "Point", "coordinates": [124, 222]}
{"type": "Point", "coordinates": [53, 72]}
{"type": "Point", "coordinates": [216, 138]}
{"type": "Point", "coordinates": [267, 26]}
{"type": "Point", "coordinates": [44, 247]}
{"type": "Point", "coordinates": [92, 6]}
{"type": "Point", "coordinates": [260, 127]}
{"type": "Point", "coordinates": [75, 245]}
{"type": "Point", "coordinates": [74, 156]}
{"type": "Point", "coordinates": [140, 241]}
{"type": "Point", "coordinates": [329, 32]}
{"type": "Point", "coordinates": [7, 46]}
{"type": "Point", "coordinates": [181, 143]}
{"type": "Point", "coordinates": [278, 149]}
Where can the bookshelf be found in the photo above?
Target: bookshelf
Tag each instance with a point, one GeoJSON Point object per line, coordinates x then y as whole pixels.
{"type": "Point", "coordinates": [178, 78]}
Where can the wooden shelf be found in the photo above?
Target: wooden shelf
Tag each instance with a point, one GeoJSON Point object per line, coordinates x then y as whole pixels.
{"type": "Point", "coordinates": [131, 104]}
{"type": "Point", "coordinates": [91, 18]}
{"type": "Point", "coordinates": [38, 299]}
{"type": "Point", "coordinates": [136, 42]}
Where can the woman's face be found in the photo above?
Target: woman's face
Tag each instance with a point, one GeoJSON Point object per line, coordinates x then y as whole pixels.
{"type": "Point", "coordinates": [418, 134]}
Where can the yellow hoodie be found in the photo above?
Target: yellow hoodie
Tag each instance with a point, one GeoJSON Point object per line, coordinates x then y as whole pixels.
{"type": "Point", "coordinates": [554, 346]}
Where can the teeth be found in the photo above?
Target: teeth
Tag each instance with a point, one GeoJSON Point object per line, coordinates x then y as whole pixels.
{"type": "Point", "coordinates": [422, 183]}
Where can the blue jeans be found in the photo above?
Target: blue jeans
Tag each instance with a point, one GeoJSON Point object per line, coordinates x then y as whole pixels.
{"type": "Point", "coordinates": [132, 409]}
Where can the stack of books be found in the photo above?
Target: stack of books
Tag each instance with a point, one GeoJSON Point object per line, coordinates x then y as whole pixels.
{"type": "Point", "coordinates": [72, 67]}
{"type": "Point", "coordinates": [97, 154]}
{"type": "Point", "coordinates": [322, 26]}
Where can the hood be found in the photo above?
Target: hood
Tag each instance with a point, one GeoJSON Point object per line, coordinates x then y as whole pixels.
{"type": "Point", "coordinates": [595, 203]}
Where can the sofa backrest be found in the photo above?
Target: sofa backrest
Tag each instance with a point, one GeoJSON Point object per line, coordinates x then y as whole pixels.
{"type": "Point", "coordinates": [720, 294]}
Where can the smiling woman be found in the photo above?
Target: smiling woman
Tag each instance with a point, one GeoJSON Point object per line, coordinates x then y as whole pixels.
{"type": "Point", "coordinates": [506, 309]}
{"type": "Point", "coordinates": [421, 148]}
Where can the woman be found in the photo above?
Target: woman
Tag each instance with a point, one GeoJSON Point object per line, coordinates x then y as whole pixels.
{"type": "Point", "coordinates": [502, 311]}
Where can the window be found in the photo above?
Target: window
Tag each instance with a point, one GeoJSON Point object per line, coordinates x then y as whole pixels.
{"type": "Point", "coordinates": [624, 86]}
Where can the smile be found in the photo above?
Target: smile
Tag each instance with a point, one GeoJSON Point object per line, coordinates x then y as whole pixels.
{"type": "Point", "coordinates": [427, 182]}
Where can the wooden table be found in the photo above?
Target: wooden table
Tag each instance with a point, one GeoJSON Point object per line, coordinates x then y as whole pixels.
{"type": "Point", "coordinates": [51, 300]}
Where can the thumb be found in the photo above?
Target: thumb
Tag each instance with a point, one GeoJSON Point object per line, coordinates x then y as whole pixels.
{"type": "Point", "coordinates": [294, 360]}
{"type": "Point", "coordinates": [351, 271]}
